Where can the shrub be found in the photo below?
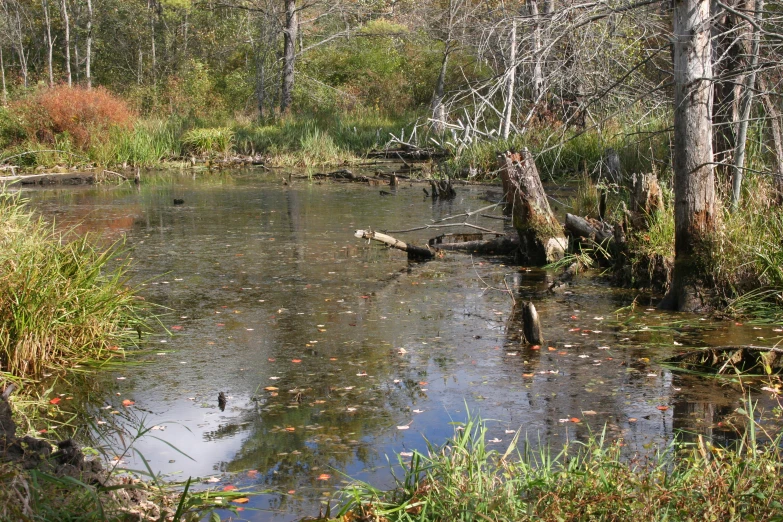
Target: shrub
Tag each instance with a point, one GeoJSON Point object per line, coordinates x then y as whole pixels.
{"type": "Point", "coordinates": [85, 115]}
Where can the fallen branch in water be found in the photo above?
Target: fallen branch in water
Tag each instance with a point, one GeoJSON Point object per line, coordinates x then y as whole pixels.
{"type": "Point", "coordinates": [413, 251]}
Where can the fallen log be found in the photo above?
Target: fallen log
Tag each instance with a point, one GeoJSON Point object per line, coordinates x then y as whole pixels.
{"type": "Point", "coordinates": [541, 236]}
{"type": "Point", "coordinates": [500, 246]}
{"type": "Point", "coordinates": [589, 228]}
{"type": "Point", "coordinates": [414, 252]}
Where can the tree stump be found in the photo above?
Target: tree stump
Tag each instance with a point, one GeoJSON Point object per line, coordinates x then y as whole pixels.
{"type": "Point", "coordinates": [646, 199]}
{"type": "Point", "coordinates": [540, 234]}
{"type": "Point", "coordinates": [531, 325]}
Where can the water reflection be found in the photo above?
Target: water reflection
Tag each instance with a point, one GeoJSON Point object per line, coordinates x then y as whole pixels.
{"type": "Point", "coordinates": [333, 353]}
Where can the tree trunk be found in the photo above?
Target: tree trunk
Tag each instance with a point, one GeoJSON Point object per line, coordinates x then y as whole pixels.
{"type": "Point", "coordinates": [2, 71]}
{"type": "Point", "coordinates": [88, 58]}
{"type": "Point", "coordinates": [694, 178]}
{"type": "Point", "coordinates": [744, 116]}
{"type": "Point", "coordinates": [438, 109]}
{"type": "Point", "coordinates": [540, 234]}
{"type": "Point", "coordinates": [777, 140]}
{"type": "Point", "coordinates": [538, 75]}
{"type": "Point", "coordinates": [289, 55]}
{"type": "Point", "coordinates": [49, 42]}
{"type": "Point", "coordinates": [511, 76]}
{"type": "Point", "coordinates": [727, 63]}
{"type": "Point", "coordinates": [67, 43]}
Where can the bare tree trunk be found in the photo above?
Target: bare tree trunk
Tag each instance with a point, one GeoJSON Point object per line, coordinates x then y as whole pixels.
{"type": "Point", "coordinates": [727, 64]}
{"type": "Point", "coordinates": [88, 58]}
{"type": "Point", "coordinates": [773, 117]}
{"type": "Point", "coordinates": [538, 74]}
{"type": "Point", "coordinates": [67, 43]}
{"type": "Point", "coordinates": [438, 109]}
{"type": "Point", "coordinates": [694, 178]}
{"type": "Point", "coordinates": [17, 38]}
{"type": "Point", "coordinates": [289, 55]}
{"type": "Point", "coordinates": [153, 51]}
{"type": "Point", "coordinates": [511, 76]}
{"type": "Point", "coordinates": [2, 71]}
{"type": "Point", "coordinates": [49, 42]}
{"type": "Point", "coordinates": [745, 103]}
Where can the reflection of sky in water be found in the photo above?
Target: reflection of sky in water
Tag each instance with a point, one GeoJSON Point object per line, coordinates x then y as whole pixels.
{"type": "Point", "coordinates": [274, 302]}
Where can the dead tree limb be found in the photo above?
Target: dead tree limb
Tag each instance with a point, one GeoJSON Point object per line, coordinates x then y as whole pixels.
{"type": "Point", "coordinates": [498, 246]}
{"type": "Point", "coordinates": [414, 252]}
{"type": "Point", "coordinates": [446, 225]}
{"type": "Point", "coordinates": [589, 228]}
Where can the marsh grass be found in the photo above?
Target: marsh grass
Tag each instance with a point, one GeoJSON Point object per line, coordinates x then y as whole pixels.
{"type": "Point", "coordinates": [60, 304]}
{"type": "Point", "coordinates": [209, 141]}
{"type": "Point", "coordinates": [465, 480]}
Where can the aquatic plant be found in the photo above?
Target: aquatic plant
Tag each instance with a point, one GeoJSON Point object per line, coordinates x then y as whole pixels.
{"type": "Point", "coordinates": [217, 140]}
{"type": "Point", "coordinates": [60, 303]}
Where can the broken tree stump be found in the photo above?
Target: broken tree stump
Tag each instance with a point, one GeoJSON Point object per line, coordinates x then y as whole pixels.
{"type": "Point", "coordinates": [646, 199]}
{"type": "Point", "coordinates": [540, 234]}
{"type": "Point", "coordinates": [414, 252]}
{"type": "Point", "coordinates": [531, 325]}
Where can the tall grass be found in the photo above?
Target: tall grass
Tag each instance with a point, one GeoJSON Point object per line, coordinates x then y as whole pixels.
{"type": "Point", "coordinates": [60, 304]}
{"type": "Point", "coordinates": [466, 480]}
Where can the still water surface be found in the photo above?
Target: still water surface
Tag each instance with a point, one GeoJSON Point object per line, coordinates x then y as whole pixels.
{"type": "Point", "coordinates": [335, 354]}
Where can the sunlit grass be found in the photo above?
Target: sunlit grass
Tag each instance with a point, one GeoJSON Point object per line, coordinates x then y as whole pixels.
{"type": "Point", "coordinates": [464, 479]}
{"type": "Point", "coordinates": [60, 304]}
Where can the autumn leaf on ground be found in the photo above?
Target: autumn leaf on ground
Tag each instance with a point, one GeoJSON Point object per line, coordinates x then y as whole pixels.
{"type": "Point", "coordinates": [56, 400]}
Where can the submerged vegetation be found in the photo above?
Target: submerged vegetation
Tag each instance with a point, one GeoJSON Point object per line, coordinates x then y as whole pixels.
{"type": "Point", "coordinates": [464, 479]}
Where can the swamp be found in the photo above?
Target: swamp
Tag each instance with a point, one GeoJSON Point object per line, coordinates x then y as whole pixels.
{"type": "Point", "coordinates": [334, 354]}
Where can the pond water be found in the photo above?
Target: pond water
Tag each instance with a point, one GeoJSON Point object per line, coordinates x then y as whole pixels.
{"type": "Point", "coordinates": [334, 354]}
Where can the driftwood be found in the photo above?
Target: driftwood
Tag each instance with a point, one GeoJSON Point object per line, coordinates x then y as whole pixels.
{"type": "Point", "coordinates": [500, 246]}
{"type": "Point", "coordinates": [589, 228]}
{"type": "Point", "coordinates": [732, 359]}
{"type": "Point", "coordinates": [414, 252]}
{"type": "Point", "coordinates": [540, 234]}
{"type": "Point", "coordinates": [341, 175]}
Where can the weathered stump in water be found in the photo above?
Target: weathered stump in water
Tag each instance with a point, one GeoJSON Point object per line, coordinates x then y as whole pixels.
{"type": "Point", "coordinates": [531, 325]}
{"type": "Point", "coordinates": [540, 234]}
{"type": "Point", "coordinates": [646, 199]}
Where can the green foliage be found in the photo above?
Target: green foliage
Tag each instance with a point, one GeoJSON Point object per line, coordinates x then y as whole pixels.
{"type": "Point", "coordinates": [208, 141]}
{"type": "Point", "coordinates": [59, 303]}
{"type": "Point", "coordinates": [465, 480]}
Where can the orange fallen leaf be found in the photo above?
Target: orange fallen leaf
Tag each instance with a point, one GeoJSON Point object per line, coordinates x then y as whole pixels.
{"type": "Point", "coordinates": [176, 327]}
{"type": "Point", "coordinates": [662, 408]}
{"type": "Point", "coordinates": [242, 500]}
{"type": "Point", "coordinates": [252, 473]}
{"type": "Point", "coordinates": [528, 374]}
{"type": "Point", "coordinates": [332, 358]}
{"type": "Point", "coordinates": [290, 428]}
{"type": "Point", "coordinates": [296, 361]}
{"type": "Point", "coordinates": [632, 419]}
{"type": "Point", "coordinates": [535, 347]}
{"type": "Point", "coordinates": [271, 359]}
{"type": "Point", "coordinates": [56, 400]}
{"type": "Point", "coordinates": [271, 388]}
{"type": "Point", "coordinates": [230, 487]}
{"type": "Point", "coordinates": [291, 491]}
{"type": "Point", "coordinates": [324, 476]}
{"type": "Point", "coordinates": [575, 419]}
{"type": "Point", "coordinates": [128, 402]}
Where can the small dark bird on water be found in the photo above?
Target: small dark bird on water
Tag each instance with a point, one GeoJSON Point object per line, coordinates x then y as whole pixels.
{"type": "Point", "coordinates": [222, 401]}
{"type": "Point", "coordinates": [178, 201]}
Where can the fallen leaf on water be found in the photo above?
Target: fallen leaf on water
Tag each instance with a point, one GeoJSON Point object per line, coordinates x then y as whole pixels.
{"type": "Point", "coordinates": [332, 358]}
{"type": "Point", "coordinates": [296, 361]}
{"type": "Point", "coordinates": [56, 400]}
{"type": "Point", "coordinates": [213, 479]}
{"type": "Point", "coordinates": [575, 419]}
{"type": "Point", "coordinates": [271, 388]}
{"type": "Point", "coordinates": [229, 488]}
{"type": "Point", "coordinates": [528, 374]}
{"type": "Point", "coordinates": [290, 428]}
{"type": "Point", "coordinates": [422, 383]}
{"type": "Point", "coordinates": [589, 412]}
{"type": "Point", "coordinates": [662, 408]}
{"type": "Point", "coordinates": [324, 476]}
{"type": "Point", "coordinates": [509, 431]}
{"type": "Point", "coordinates": [176, 327]}
{"type": "Point", "coordinates": [406, 454]}
{"type": "Point", "coordinates": [128, 402]}
{"type": "Point", "coordinates": [632, 419]}
{"type": "Point", "coordinates": [242, 500]}
{"type": "Point", "coordinates": [291, 491]}
{"type": "Point", "coordinates": [496, 440]}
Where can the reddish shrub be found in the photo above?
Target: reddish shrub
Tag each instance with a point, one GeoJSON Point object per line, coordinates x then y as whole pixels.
{"type": "Point", "coordinates": [86, 115]}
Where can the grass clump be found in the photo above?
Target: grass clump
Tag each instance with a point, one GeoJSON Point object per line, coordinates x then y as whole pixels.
{"type": "Point", "coordinates": [465, 480]}
{"type": "Point", "coordinates": [60, 304]}
{"type": "Point", "coordinates": [209, 141]}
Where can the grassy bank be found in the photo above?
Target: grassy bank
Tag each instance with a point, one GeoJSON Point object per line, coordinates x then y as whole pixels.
{"type": "Point", "coordinates": [466, 480]}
